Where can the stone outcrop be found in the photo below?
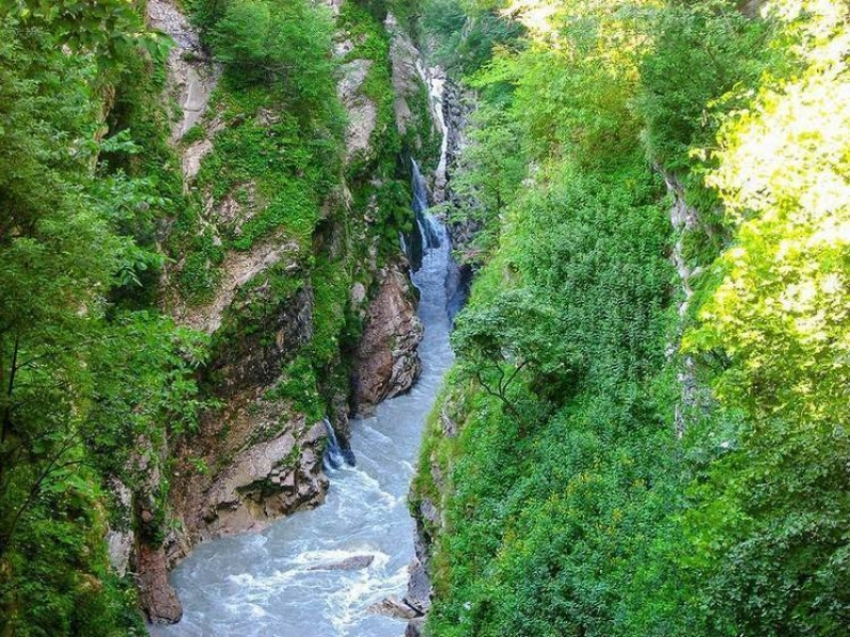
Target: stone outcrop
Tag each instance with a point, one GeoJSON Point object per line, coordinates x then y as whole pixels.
{"type": "Point", "coordinates": [246, 483]}
{"type": "Point", "coordinates": [158, 599]}
{"type": "Point", "coordinates": [362, 111]}
{"type": "Point", "coordinates": [386, 362]}
{"type": "Point", "coordinates": [191, 76]}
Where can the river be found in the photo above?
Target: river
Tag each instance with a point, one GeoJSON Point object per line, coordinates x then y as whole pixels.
{"type": "Point", "coordinates": [274, 583]}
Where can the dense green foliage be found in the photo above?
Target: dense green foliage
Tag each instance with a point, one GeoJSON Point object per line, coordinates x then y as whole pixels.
{"type": "Point", "coordinates": [569, 504]}
{"type": "Point", "coordinates": [100, 232]}
{"type": "Point", "coordinates": [582, 489]}
{"type": "Point", "coordinates": [83, 379]}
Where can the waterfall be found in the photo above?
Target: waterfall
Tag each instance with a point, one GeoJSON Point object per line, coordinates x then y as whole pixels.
{"type": "Point", "coordinates": [431, 231]}
{"type": "Point", "coordinates": [334, 457]}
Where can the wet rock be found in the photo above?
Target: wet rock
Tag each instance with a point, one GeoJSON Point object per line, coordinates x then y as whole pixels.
{"type": "Point", "coordinates": [354, 563]}
{"type": "Point", "coordinates": [398, 608]}
{"type": "Point", "coordinates": [415, 627]}
{"type": "Point", "coordinates": [386, 363]}
{"type": "Point", "coordinates": [156, 596]}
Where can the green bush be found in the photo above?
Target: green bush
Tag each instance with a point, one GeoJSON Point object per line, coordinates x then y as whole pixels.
{"type": "Point", "coordinates": [284, 45]}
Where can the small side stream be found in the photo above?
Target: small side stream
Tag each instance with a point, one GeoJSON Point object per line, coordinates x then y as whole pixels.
{"type": "Point", "coordinates": [305, 576]}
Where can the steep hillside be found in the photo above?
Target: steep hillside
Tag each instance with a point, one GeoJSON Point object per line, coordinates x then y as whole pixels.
{"type": "Point", "coordinates": [237, 288]}
{"type": "Point", "coordinates": [642, 433]}
{"type": "Point", "coordinates": [205, 243]}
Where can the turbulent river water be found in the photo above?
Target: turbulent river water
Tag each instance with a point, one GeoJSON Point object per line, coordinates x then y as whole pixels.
{"type": "Point", "coordinates": [275, 584]}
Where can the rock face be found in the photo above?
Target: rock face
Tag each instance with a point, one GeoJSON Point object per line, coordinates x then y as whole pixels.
{"type": "Point", "coordinates": [258, 484]}
{"type": "Point", "coordinates": [386, 363]}
{"type": "Point", "coordinates": [191, 77]}
{"type": "Point", "coordinates": [256, 458]}
{"type": "Point", "coordinates": [257, 454]}
{"type": "Point", "coordinates": [417, 90]}
{"type": "Point", "coordinates": [406, 73]}
{"type": "Point", "coordinates": [157, 597]}
{"type": "Point", "coordinates": [362, 112]}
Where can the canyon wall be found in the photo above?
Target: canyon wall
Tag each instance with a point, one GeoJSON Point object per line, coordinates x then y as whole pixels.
{"type": "Point", "coordinates": [306, 326]}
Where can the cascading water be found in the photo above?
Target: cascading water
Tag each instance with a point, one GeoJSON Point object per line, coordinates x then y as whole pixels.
{"type": "Point", "coordinates": [334, 454]}
{"type": "Point", "coordinates": [316, 573]}
{"type": "Point", "coordinates": [430, 230]}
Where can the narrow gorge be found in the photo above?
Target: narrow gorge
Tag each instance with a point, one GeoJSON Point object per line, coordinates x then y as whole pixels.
{"type": "Point", "coordinates": [330, 570]}
{"type": "Point", "coordinates": [443, 318]}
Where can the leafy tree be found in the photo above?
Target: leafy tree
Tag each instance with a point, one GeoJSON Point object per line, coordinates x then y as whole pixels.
{"type": "Point", "coordinates": [771, 527]}
{"type": "Point", "coordinates": [517, 331]}
{"type": "Point", "coordinates": [108, 28]}
{"type": "Point", "coordinates": [286, 43]}
{"type": "Point", "coordinates": [81, 382]}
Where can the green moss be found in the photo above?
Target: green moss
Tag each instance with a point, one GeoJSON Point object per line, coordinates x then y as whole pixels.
{"type": "Point", "coordinates": [422, 139]}
{"type": "Point", "coordinates": [194, 134]}
{"type": "Point", "coordinates": [298, 385]}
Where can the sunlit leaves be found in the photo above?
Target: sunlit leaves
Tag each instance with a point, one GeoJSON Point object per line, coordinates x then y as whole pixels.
{"type": "Point", "coordinates": [783, 311]}
{"type": "Point", "coordinates": [775, 510]}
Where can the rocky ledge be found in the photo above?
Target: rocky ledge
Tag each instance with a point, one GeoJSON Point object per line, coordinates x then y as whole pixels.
{"type": "Point", "coordinates": [387, 363]}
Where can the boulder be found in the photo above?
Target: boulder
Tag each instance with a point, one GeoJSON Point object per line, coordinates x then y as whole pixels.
{"type": "Point", "coordinates": [399, 608]}
{"type": "Point", "coordinates": [354, 563]}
